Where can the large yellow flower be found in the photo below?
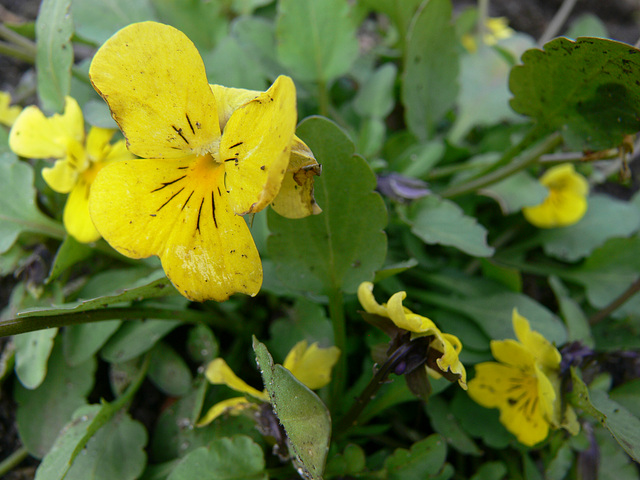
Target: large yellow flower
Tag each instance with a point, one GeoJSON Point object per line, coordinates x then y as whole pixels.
{"type": "Point", "coordinates": [210, 154]}
{"type": "Point", "coordinates": [524, 385]}
{"type": "Point", "coordinates": [448, 345]}
{"type": "Point", "coordinates": [63, 137]}
{"type": "Point", "coordinates": [566, 203]}
{"type": "Point", "coordinates": [308, 363]}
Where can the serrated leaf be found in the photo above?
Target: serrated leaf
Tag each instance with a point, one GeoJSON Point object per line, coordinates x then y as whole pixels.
{"type": "Point", "coordinates": [304, 417]}
{"type": "Point", "coordinates": [430, 77]}
{"type": "Point", "coordinates": [32, 354]}
{"type": "Point", "coordinates": [345, 244]}
{"type": "Point", "coordinates": [18, 210]}
{"type": "Point", "coordinates": [585, 89]}
{"type": "Point", "coordinates": [43, 412]}
{"type": "Point", "coordinates": [624, 427]}
{"type": "Point", "coordinates": [316, 39]}
{"type": "Point", "coordinates": [97, 20]}
{"type": "Point", "coordinates": [424, 460]}
{"type": "Point", "coordinates": [54, 53]}
{"type": "Point", "coordinates": [116, 451]}
{"type": "Point", "coordinates": [236, 458]}
{"type": "Point", "coordinates": [440, 221]}
{"type": "Point", "coordinates": [606, 218]}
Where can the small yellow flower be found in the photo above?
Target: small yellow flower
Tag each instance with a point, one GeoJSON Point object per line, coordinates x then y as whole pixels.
{"type": "Point", "coordinates": [524, 385]}
{"type": "Point", "coordinates": [63, 137]}
{"type": "Point", "coordinates": [8, 114]}
{"type": "Point", "coordinates": [210, 154]}
{"type": "Point", "coordinates": [448, 345]}
{"type": "Point", "coordinates": [566, 203]}
{"type": "Point", "coordinates": [308, 363]}
{"type": "Point", "coordinates": [497, 28]}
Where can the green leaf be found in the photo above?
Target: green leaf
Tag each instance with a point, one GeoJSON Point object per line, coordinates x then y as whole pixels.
{"type": "Point", "coordinates": [606, 218]}
{"type": "Point", "coordinates": [168, 371]}
{"type": "Point", "coordinates": [69, 253]}
{"type": "Point", "coordinates": [560, 464]}
{"type": "Point", "coordinates": [43, 412]}
{"type": "Point", "coordinates": [624, 427]}
{"type": "Point", "coordinates": [430, 77]}
{"type": "Point", "coordinates": [97, 20]}
{"type": "Point", "coordinates": [202, 344]}
{"type": "Point", "coordinates": [480, 422]}
{"type": "Point", "coordinates": [585, 89]}
{"type": "Point", "coordinates": [628, 395]}
{"type": "Point", "coordinates": [257, 36]}
{"type": "Point", "coordinates": [204, 23]}
{"type": "Point", "coordinates": [516, 191]}
{"type": "Point", "coordinates": [236, 458]}
{"type": "Point", "coordinates": [587, 25]}
{"type": "Point", "coordinates": [345, 244]}
{"type": "Point", "coordinates": [304, 417]}
{"type": "Point", "coordinates": [32, 354]}
{"type": "Point", "coordinates": [578, 329]}
{"type": "Point", "coordinates": [490, 471]}
{"type": "Point", "coordinates": [615, 464]}
{"type": "Point", "coordinates": [135, 338]}
{"type": "Point", "coordinates": [316, 39]}
{"type": "Point", "coordinates": [18, 210]}
{"type": "Point", "coordinates": [231, 65]}
{"type": "Point", "coordinates": [375, 98]}
{"type": "Point", "coordinates": [444, 423]}
{"type": "Point", "coordinates": [424, 460]}
{"type": "Point", "coordinates": [400, 13]}
{"type": "Point", "coordinates": [54, 54]}
{"type": "Point", "coordinates": [440, 221]}
{"type": "Point", "coordinates": [115, 451]}
{"type": "Point", "coordinates": [82, 341]}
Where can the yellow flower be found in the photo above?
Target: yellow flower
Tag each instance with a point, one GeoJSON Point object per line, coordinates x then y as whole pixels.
{"type": "Point", "coordinates": [210, 154]}
{"type": "Point", "coordinates": [449, 346]}
{"type": "Point", "coordinates": [63, 137]}
{"type": "Point", "coordinates": [566, 203]}
{"type": "Point", "coordinates": [524, 385]}
{"type": "Point", "coordinates": [308, 363]}
{"type": "Point", "coordinates": [8, 114]}
{"type": "Point", "coordinates": [497, 28]}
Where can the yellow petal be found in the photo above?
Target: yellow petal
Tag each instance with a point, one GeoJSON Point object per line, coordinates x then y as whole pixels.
{"type": "Point", "coordinates": [35, 136]}
{"type": "Point", "coordinates": [451, 346]}
{"type": "Point", "coordinates": [98, 143]}
{"type": "Point", "coordinates": [8, 114]}
{"type": "Point", "coordinates": [228, 100]}
{"type": "Point", "coordinates": [154, 81]}
{"type": "Point", "coordinates": [368, 301]}
{"type": "Point", "coordinates": [62, 177]}
{"type": "Point", "coordinates": [295, 199]}
{"type": "Point", "coordinates": [565, 178]}
{"type": "Point", "coordinates": [543, 351]}
{"type": "Point", "coordinates": [312, 365]}
{"type": "Point", "coordinates": [76, 216]}
{"type": "Point", "coordinates": [219, 373]}
{"type": "Point", "coordinates": [513, 353]}
{"type": "Point", "coordinates": [117, 152]}
{"type": "Point", "coordinates": [232, 406]}
{"type": "Point", "coordinates": [179, 211]}
{"type": "Point", "coordinates": [256, 145]}
{"type": "Point", "coordinates": [407, 320]}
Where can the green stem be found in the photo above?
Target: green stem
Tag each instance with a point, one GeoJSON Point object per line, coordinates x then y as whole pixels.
{"type": "Point", "coordinates": [339, 375]}
{"type": "Point", "coordinates": [15, 51]}
{"type": "Point", "coordinates": [13, 460]}
{"type": "Point", "coordinates": [507, 170]}
{"type": "Point", "coordinates": [626, 295]}
{"type": "Point", "coordinates": [557, 21]}
{"type": "Point", "coordinates": [26, 44]}
{"type": "Point", "coordinates": [15, 326]}
{"type": "Point", "coordinates": [481, 26]}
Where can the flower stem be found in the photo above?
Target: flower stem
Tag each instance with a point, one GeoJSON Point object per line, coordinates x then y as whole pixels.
{"type": "Point", "coordinates": [496, 175]}
{"type": "Point", "coordinates": [13, 460]}
{"type": "Point", "coordinates": [626, 295]}
{"type": "Point", "coordinates": [339, 376]}
{"type": "Point", "coordinates": [557, 21]}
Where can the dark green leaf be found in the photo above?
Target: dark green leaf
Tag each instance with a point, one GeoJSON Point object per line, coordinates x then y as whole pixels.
{"type": "Point", "coordinates": [441, 221]}
{"type": "Point", "coordinates": [316, 38]}
{"type": "Point", "coordinates": [135, 338]}
{"type": "Point", "coordinates": [400, 13]}
{"type": "Point", "coordinates": [304, 417]}
{"type": "Point", "coordinates": [82, 341]}
{"type": "Point", "coordinates": [236, 458]}
{"type": "Point", "coordinates": [18, 210]}
{"type": "Point", "coordinates": [424, 460]}
{"type": "Point", "coordinates": [585, 89]}
{"type": "Point", "coordinates": [578, 328]}
{"type": "Point", "coordinates": [628, 395]}
{"type": "Point", "coordinates": [345, 244]}
{"type": "Point", "coordinates": [480, 422]}
{"type": "Point", "coordinates": [168, 370]}
{"type": "Point", "coordinates": [69, 253]}
{"type": "Point", "coordinates": [54, 55]}
{"type": "Point", "coordinates": [44, 411]}
{"type": "Point", "coordinates": [446, 424]}
{"type": "Point", "coordinates": [430, 77]}
{"type": "Point", "coordinates": [491, 471]}
{"type": "Point", "coordinates": [202, 344]}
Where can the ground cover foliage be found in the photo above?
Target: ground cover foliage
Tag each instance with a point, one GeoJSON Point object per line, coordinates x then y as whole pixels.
{"type": "Point", "coordinates": [468, 241]}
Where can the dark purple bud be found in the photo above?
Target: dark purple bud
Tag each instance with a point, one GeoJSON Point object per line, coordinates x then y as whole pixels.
{"type": "Point", "coordinates": [402, 189]}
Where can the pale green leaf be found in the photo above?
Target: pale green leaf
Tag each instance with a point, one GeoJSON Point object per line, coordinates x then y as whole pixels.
{"type": "Point", "coordinates": [82, 341]}
{"type": "Point", "coordinates": [316, 39]}
{"type": "Point", "coordinates": [516, 191]}
{"type": "Point", "coordinates": [585, 89]}
{"type": "Point", "coordinates": [135, 338]}
{"type": "Point", "coordinates": [236, 458]}
{"type": "Point", "coordinates": [345, 244]}
{"type": "Point", "coordinates": [229, 64]}
{"type": "Point", "coordinates": [304, 417]}
{"type": "Point", "coordinates": [430, 77]}
{"type": "Point", "coordinates": [54, 54]}
{"type": "Point", "coordinates": [376, 97]}
{"type": "Point", "coordinates": [441, 221]}
{"type": "Point", "coordinates": [32, 354]}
